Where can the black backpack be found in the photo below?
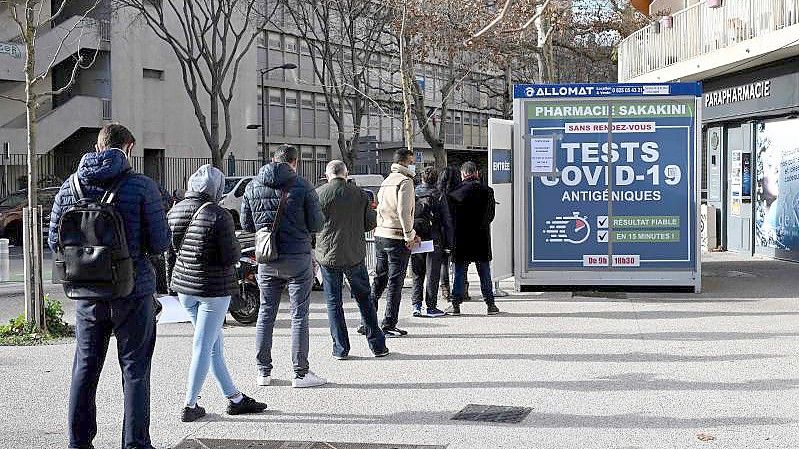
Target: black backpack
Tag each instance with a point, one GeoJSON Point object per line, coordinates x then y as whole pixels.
{"type": "Point", "coordinates": [425, 216]}
{"type": "Point", "coordinates": [92, 259]}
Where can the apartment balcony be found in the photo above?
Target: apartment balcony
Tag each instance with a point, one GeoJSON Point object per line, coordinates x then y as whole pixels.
{"type": "Point", "coordinates": [54, 45]}
{"type": "Point", "coordinates": [56, 125]}
{"type": "Point", "coordinates": [703, 41]}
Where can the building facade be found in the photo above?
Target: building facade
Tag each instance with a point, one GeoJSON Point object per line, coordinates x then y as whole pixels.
{"type": "Point", "coordinates": [746, 53]}
{"type": "Point", "coordinates": [134, 80]}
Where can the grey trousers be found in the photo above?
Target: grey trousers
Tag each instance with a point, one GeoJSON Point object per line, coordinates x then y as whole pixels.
{"type": "Point", "coordinates": [294, 271]}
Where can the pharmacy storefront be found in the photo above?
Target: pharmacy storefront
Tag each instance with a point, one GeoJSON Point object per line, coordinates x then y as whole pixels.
{"type": "Point", "coordinates": [752, 159]}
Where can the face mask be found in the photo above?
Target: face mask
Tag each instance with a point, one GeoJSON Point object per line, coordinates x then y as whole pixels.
{"type": "Point", "coordinates": [412, 169]}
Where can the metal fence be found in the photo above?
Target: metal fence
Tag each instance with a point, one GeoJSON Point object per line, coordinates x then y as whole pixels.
{"type": "Point", "coordinates": [173, 172]}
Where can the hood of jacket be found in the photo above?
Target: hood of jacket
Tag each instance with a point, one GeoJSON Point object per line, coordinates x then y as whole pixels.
{"type": "Point", "coordinates": [276, 174]}
{"type": "Point", "coordinates": [101, 167]}
{"type": "Point", "coordinates": [208, 180]}
{"type": "Point", "coordinates": [424, 190]}
{"type": "Point", "coordinates": [399, 168]}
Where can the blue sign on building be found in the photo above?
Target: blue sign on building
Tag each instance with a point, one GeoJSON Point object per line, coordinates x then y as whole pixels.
{"type": "Point", "coordinates": [623, 193]}
{"type": "Point", "coordinates": [502, 166]}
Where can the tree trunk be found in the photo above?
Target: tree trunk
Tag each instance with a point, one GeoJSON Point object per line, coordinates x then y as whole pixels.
{"type": "Point", "coordinates": [346, 152]}
{"type": "Point", "coordinates": [34, 295]}
{"type": "Point", "coordinates": [216, 153]}
{"type": "Point", "coordinates": [439, 154]}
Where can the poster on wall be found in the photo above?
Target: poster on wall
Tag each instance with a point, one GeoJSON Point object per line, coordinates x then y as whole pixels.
{"type": "Point", "coordinates": [627, 204]}
{"type": "Point", "coordinates": [777, 193]}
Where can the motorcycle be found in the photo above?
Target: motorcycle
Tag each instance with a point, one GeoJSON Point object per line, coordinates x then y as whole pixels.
{"type": "Point", "coordinates": [244, 306]}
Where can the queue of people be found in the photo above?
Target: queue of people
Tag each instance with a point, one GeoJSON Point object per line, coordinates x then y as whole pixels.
{"type": "Point", "coordinates": [451, 209]}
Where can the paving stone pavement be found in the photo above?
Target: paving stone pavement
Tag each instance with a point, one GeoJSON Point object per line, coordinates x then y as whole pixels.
{"type": "Point", "coordinates": [621, 371]}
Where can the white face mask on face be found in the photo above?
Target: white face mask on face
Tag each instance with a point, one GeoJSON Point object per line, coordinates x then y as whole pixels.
{"type": "Point", "coordinates": [412, 169]}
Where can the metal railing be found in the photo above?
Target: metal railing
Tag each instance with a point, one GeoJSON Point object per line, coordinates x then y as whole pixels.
{"type": "Point", "coordinates": [106, 113]}
{"type": "Point", "coordinates": [700, 29]}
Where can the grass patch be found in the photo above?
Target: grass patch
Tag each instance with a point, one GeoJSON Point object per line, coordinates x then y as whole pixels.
{"type": "Point", "coordinates": [19, 332]}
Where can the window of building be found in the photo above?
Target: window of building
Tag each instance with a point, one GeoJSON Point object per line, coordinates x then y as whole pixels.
{"type": "Point", "coordinates": [307, 115]}
{"type": "Point", "coordinates": [292, 114]}
{"type": "Point", "coordinates": [153, 74]}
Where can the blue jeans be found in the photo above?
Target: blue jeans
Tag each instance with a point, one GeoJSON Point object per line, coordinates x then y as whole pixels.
{"type": "Point", "coordinates": [391, 266]}
{"type": "Point", "coordinates": [359, 286]}
{"type": "Point", "coordinates": [207, 316]}
{"type": "Point", "coordinates": [294, 271]}
{"type": "Point", "coordinates": [132, 321]}
{"type": "Point", "coordinates": [459, 287]}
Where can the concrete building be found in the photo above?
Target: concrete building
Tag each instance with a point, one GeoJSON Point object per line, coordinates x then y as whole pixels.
{"type": "Point", "coordinates": [135, 80]}
{"type": "Point", "coordinates": [746, 53]}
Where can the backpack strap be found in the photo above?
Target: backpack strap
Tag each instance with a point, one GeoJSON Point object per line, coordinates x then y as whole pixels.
{"type": "Point", "coordinates": [188, 225]}
{"type": "Point", "coordinates": [74, 185]}
{"type": "Point", "coordinates": [281, 205]}
{"type": "Point", "coordinates": [111, 193]}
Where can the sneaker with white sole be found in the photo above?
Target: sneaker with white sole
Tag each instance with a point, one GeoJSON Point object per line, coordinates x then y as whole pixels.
{"type": "Point", "coordinates": [264, 381]}
{"type": "Point", "coordinates": [433, 312]}
{"type": "Point", "coordinates": [308, 380]}
{"type": "Point", "coordinates": [417, 310]}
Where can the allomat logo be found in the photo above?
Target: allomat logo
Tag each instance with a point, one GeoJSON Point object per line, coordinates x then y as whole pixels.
{"type": "Point", "coordinates": [574, 229]}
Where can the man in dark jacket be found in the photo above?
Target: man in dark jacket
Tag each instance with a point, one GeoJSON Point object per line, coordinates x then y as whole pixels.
{"type": "Point", "coordinates": [300, 217]}
{"type": "Point", "coordinates": [130, 319]}
{"type": "Point", "coordinates": [474, 211]}
{"type": "Point", "coordinates": [431, 222]}
{"type": "Point", "coordinates": [340, 250]}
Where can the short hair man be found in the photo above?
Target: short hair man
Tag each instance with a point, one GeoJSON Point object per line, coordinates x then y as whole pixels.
{"type": "Point", "coordinates": [131, 319]}
{"type": "Point", "coordinates": [299, 218]}
{"type": "Point", "coordinates": [474, 205]}
{"type": "Point", "coordinates": [394, 237]}
{"type": "Point", "coordinates": [340, 251]}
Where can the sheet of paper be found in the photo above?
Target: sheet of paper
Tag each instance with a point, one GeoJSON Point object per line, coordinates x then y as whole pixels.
{"type": "Point", "coordinates": [173, 311]}
{"type": "Point", "coordinates": [542, 155]}
{"type": "Point", "coordinates": [425, 246]}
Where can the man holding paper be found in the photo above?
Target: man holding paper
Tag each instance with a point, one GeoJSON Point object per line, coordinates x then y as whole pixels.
{"type": "Point", "coordinates": [394, 237]}
{"type": "Point", "coordinates": [433, 225]}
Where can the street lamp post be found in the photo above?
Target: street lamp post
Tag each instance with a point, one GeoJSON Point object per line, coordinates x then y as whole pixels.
{"type": "Point", "coordinates": [264, 145]}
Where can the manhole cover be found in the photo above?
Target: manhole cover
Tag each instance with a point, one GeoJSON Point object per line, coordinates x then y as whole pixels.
{"type": "Point", "coordinates": [492, 413]}
{"type": "Point", "coordinates": [204, 443]}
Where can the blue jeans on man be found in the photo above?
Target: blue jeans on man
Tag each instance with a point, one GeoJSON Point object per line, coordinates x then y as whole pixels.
{"type": "Point", "coordinates": [132, 321]}
{"type": "Point", "coordinates": [459, 283]}
{"type": "Point", "coordinates": [294, 271]}
{"type": "Point", "coordinates": [358, 278]}
{"type": "Point", "coordinates": [391, 266]}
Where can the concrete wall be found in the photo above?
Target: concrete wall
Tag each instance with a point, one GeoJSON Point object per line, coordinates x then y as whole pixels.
{"type": "Point", "coordinates": [158, 111]}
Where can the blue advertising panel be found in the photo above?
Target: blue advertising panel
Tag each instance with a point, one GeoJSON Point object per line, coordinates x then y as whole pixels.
{"type": "Point", "coordinates": [622, 195]}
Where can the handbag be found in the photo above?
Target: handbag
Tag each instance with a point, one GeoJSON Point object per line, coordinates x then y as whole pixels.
{"type": "Point", "coordinates": [266, 237]}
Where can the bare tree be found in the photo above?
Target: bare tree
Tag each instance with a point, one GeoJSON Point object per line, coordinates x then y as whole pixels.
{"type": "Point", "coordinates": [443, 33]}
{"type": "Point", "coordinates": [32, 17]}
{"type": "Point", "coordinates": [343, 37]}
{"type": "Point", "coordinates": [209, 40]}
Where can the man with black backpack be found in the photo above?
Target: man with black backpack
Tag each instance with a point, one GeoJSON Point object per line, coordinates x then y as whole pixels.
{"type": "Point", "coordinates": [431, 221]}
{"type": "Point", "coordinates": [106, 221]}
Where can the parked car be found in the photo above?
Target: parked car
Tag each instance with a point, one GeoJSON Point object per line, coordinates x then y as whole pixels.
{"type": "Point", "coordinates": [234, 191]}
{"type": "Point", "coordinates": [11, 212]}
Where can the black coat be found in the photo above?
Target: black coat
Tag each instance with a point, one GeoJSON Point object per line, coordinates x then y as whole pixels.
{"type": "Point", "coordinates": [202, 264]}
{"type": "Point", "coordinates": [473, 205]}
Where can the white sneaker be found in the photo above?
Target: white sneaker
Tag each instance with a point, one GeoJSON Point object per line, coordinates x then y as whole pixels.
{"type": "Point", "coordinates": [264, 381]}
{"type": "Point", "coordinates": [309, 380]}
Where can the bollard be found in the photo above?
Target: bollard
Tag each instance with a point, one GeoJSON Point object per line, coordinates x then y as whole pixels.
{"type": "Point", "coordinates": [5, 263]}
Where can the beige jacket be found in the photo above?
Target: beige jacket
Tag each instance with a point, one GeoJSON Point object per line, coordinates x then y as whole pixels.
{"type": "Point", "coordinates": [396, 202]}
